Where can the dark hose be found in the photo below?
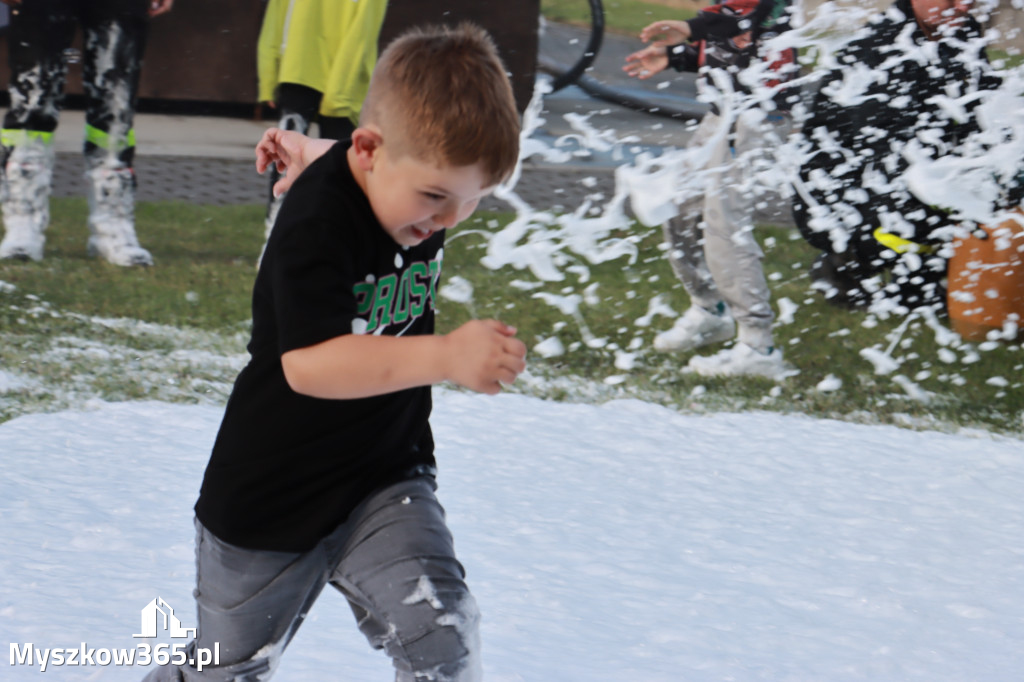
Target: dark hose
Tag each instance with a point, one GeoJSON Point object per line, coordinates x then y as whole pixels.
{"type": "Point", "coordinates": [564, 77]}
{"type": "Point", "coordinates": [589, 54]}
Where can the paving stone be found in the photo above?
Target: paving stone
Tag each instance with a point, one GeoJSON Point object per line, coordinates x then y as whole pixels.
{"type": "Point", "coordinates": [198, 180]}
{"type": "Point", "coordinates": [221, 182]}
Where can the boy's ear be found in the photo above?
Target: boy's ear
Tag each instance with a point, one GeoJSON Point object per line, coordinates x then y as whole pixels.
{"type": "Point", "coordinates": [367, 143]}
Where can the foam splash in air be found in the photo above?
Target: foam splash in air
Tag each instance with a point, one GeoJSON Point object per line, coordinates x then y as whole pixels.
{"type": "Point", "coordinates": [563, 247]}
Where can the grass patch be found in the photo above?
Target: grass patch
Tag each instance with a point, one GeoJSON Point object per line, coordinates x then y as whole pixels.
{"type": "Point", "coordinates": [1005, 60]}
{"type": "Point", "coordinates": [940, 379]}
{"type": "Point", "coordinates": [74, 329]}
{"type": "Point", "coordinates": [205, 261]}
{"type": "Point", "coordinates": [621, 16]}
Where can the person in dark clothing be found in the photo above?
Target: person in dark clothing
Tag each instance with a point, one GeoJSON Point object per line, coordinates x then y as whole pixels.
{"type": "Point", "coordinates": [115, 37]}
{"type": "Point", "coordinates": [323, 469]}
{"type": "Point", "coordinates": [851, 201]}
{"type": "Point", "coordinates": [314, 60]}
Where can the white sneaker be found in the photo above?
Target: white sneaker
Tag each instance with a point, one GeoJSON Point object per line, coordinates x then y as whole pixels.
{"type": "Point", "coordinates": [697, 327]}
{"type": "Point", "coordinates": [740, 360]}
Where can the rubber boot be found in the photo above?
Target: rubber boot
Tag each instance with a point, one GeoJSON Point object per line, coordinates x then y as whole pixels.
{"type": "Point", "coordinates": [25, 193]}
{"type": "Point", "coordinates": [112, 216]}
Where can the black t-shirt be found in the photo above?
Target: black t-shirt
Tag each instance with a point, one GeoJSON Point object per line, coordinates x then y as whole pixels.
{"type": "Point", "coordinates": [286, 468]}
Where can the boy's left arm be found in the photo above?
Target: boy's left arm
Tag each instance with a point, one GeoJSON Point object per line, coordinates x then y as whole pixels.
{"type": "Point", "coordinates": [291, 152]}
{"type": "Point", "coordinates": [480, 355]}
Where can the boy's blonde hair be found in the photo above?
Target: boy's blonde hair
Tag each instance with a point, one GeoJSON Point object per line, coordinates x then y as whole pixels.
{"type": "Point", "coordinates": [441, 94]}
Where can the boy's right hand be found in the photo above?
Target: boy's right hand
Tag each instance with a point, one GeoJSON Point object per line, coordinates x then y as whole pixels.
{"type": "Point", "coordinates": [484, 354]}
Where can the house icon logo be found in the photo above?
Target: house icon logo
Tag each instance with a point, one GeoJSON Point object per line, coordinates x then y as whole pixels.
{"type": "Point", "coordinates": [151, 620]}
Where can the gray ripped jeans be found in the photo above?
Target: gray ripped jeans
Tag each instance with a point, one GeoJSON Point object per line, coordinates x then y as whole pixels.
{"type": "Point", "coordinates": [394, 562]}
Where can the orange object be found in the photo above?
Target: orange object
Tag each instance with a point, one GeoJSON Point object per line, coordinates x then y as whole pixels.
{"type": "Point", "coordinates": [986, 282]}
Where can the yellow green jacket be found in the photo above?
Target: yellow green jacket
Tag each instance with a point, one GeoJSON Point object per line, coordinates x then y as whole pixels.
{"type": "Point", "coordinates": [327, 45]}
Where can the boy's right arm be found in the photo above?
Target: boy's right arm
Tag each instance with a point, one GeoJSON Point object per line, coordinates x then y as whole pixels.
{"type": "Point", "coordinates": [480, 355]}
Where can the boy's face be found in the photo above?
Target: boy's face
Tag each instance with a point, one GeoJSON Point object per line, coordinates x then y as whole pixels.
{"type": "Point", "coordinates": [413, 199]}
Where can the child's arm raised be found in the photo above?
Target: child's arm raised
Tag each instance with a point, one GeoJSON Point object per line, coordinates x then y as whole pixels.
{"type": "Point", "coordinates": [290, 151]}
{"type": "Point", "coordinates": [480, 355]}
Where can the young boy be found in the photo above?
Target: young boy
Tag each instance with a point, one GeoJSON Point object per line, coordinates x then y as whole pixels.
{"type": "Point", "coordinates": [712, 249]}
{"type": "Point", "coordinates": [323, 469]}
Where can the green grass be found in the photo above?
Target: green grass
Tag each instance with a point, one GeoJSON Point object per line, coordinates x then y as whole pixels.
{"type": "Point", "coordinates": [621, 16]}
{"type": "Point", "coordinates": [1009, 61]}
{"type": "Point", "coordinates": [820, 341]}
{"type": "Point", "coordinates": [73, 329]}
{"type": "Point", "coordinates": [205, 261]}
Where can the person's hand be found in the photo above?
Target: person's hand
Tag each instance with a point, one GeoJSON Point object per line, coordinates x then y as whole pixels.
{"type": "Point", "coordinates": [279, 147]}
{"type": "Point", "coordinates": [290, 152]}
{"type": "Point", "coordinates": [668, 32]}
{"type": "Point", "coordinates": [158, 7]}
{"type": "Point", "coordinates": [647, 62]}
{"type": "Point", "coordinates": [483, 355]}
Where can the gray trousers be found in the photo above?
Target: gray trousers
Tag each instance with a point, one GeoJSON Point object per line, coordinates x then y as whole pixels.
{"type": "Point", "coordinates": [711, 242]}
{"type": "Point", "coordinates": [394, 562]}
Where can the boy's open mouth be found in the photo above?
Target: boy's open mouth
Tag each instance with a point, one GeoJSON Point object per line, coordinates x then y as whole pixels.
{"type": "Point", "coordinates": [420, 232]}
